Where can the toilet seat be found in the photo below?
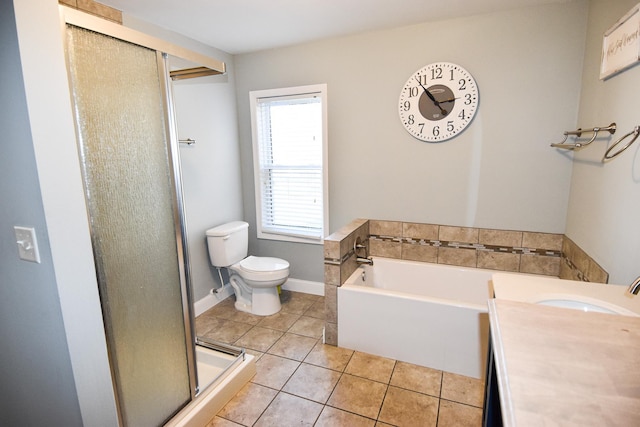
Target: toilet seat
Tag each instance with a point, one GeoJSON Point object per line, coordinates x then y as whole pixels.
{"type": "Point", "coordinates": [255, 269]}
{"type": "Point", "coordinates": [257, 264]}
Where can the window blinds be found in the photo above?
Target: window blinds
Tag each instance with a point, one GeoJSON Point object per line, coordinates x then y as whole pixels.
{"type": "Point", "coordinates": [290, 165]}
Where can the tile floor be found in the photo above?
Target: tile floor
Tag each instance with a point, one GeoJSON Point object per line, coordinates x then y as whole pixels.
{"type": "Point", "coordinates": [302, 382]}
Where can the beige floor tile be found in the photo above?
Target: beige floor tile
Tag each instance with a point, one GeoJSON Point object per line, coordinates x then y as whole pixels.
{"type": "Point", "coordinates": [274, 371]}
{"type": "Point", "coordinates": [329, 356]}
{"type": "Point", "coordinates": [312, 382]}
{"type": "Point", "coordinates": [260, 339]}
{"type": "Point", "coordinates": [224, 306]}
{"type": "Point", "coordinates": [408, 408]}
{"type": "Point", "coordinates": [332, 417]}
{"type": "Point", "coordinates": [281, 321]}
{"type": "Point", "coordinates": [458, 388]}
{"type": "Point", "coordinates": [371, 367]}
{"type": "Point", "coordinates": [288, 410]}
{"type": "Point", "coordinates": [293, 346]}
{"type": "Point", "coordinates": [308, 326]}
{"type": "Point", "coordinates": [295, 302]}
{"type": "Point", "coordinates": [221, 422]}
{"type": "Point", "coordinates": [417, 378]}
{"type": "Point", "coordinates": [242, 317]}
{"type": "Point", "coordinates": [358, 395]}
{"type": "Point", "coordinates": [316, 309]}
{"type": "Point", "coordinates": [248, 404]}
{"type": "Point", "coordinates": [226, 331]}
{"type": "Point", "coordinates": [355, 398]}
{"type": "Point", "coordinates": [454, 414]}
{"type": "Point", "coordinates": [205, 323]}
{"type": "Point", "coordinates": [222, 309]}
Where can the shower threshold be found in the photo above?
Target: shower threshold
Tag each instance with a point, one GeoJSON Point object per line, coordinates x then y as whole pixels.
{"type": "Point", "coordinates": [222, 371]}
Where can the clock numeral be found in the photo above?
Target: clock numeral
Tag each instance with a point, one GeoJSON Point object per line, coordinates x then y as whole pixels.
{"type": "Point", "coordinates": [413, 91]}
{"type": "Point", "coordinates": [450, 126]}
{"type": "Point", "coordinates": [411, 119]}
{"type": "Point", "coordinates": [406, 105]}
{"type": "Point", "coordinates": [463, 84]}
{"type": "Point", "coordinates": [436, 130]}
{"type": "Point", "coordinates": [451, 78]}
{"type": "Point", "coordinates": [436, 73]}
{"type": "Point", "coordinates": [421, 126]}
{"type": "Point", "coordinates": [462, 115]}
{"type": "Point", "coordinates": [467, 99]}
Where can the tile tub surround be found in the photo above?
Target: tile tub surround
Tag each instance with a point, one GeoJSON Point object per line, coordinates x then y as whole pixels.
{"type": "Point", "coordinates": [501, 250]}
{"type": "Point", "coordinates": [339, 263]}
{"type": "Point", "coordinates": [577, 265]}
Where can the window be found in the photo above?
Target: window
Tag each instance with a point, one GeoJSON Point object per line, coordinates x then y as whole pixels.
{"type": "Point", "coordinates": [289, 128]}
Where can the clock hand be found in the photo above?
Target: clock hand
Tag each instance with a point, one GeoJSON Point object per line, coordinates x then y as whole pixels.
{"type": "Point", "coordinates": [448, 100]}
{"type": "Point", "coordinates": [431, 97]}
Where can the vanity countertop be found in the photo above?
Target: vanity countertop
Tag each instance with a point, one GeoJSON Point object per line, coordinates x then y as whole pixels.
{"type": "Point", "coordinates": [535, 289]}
{"type": "Point", "coordinates": [563, 367]}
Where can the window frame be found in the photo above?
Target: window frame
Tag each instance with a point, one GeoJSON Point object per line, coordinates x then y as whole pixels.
{"type": "Point", "coordinates": [319, 90]}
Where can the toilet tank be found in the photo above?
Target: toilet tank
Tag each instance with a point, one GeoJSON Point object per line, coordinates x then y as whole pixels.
{"type": "Point", "coordinates": [228, 243]}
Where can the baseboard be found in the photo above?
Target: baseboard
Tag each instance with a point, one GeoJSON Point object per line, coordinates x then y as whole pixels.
{"type": "Point", "coordinates": [304, 286]}
{"type": "Point", "coordinates": [212, 299]}
{"type": "Point", "coordinates": [296, 285]}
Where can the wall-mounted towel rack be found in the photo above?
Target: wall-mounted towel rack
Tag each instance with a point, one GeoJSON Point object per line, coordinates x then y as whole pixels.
{"type": "Point", "coordinates": [578, 133]}
{"type": "Point", "coordinates": [633, 134]}
{"type": "Point", "coordinates": [187, 141]}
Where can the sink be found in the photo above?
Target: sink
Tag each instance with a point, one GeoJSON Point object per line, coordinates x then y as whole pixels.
{"type": "Point", "coordinates": [567, 294]}
{"type": "Point", "coordinates": [583, 306]}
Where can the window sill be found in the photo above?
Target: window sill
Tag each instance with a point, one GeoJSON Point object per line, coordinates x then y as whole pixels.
{"type": "Point", "coordinates": [290, 239]}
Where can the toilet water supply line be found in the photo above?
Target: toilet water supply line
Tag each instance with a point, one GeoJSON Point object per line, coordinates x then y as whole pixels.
{"type": "Point", "coordinates": [216, 290]}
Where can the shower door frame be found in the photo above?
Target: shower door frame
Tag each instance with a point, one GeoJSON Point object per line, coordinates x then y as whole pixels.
{"type": "Point", "coordinates": [163, 49]}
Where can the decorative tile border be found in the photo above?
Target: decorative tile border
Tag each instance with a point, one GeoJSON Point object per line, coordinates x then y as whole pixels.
{"type": "Point", "coordinates": [476, 246]}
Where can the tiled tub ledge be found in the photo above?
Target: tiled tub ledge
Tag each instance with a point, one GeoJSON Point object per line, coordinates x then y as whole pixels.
{"type": "Point", "coordinates": [501, 250]}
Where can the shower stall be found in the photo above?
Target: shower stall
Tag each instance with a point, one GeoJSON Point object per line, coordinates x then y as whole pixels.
{"type": "Point", "coordinates": [129, 158]}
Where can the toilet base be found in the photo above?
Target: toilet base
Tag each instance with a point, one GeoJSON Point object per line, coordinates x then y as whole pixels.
{"type": "Point", "coordinates": [265, 301]}
{"type": "Point", "coordinates": [260, 301]}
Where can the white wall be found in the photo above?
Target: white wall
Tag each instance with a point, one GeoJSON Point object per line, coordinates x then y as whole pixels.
{"type": "Point", "coordinates": [36, 379]}
{"type": "Point", "coordinates": [205, 110]}
{"type": "Point", "coordinates": [65, 242]}
{"type": "Point", "coordinates": [605, 198]}
{"type": "Point", "coordinates": [500, 173]}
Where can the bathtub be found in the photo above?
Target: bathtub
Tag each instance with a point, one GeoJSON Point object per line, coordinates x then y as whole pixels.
{"type": "Point", "coordinates": [431, 315]}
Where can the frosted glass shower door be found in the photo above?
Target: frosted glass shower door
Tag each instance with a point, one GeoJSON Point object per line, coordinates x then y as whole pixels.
{"type": "Point", "coordinates": [129, 185]}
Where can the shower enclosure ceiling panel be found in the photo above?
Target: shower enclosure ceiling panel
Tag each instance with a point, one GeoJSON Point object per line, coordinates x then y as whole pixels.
{"type": "Point", "coordinates": [84, 20]}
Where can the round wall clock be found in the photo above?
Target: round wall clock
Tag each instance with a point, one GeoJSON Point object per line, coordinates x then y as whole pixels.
{"type": "Point", "coordinates": [438, 102]}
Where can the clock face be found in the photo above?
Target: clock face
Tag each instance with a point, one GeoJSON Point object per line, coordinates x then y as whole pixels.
{"type": "Point", "coordinates": [438, 102]}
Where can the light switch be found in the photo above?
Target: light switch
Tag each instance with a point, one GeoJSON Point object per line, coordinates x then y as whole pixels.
{"type": "Point", "coordinates": [27, 244]}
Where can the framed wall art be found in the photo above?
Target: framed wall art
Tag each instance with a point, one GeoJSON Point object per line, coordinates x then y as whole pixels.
{"type": "Point", "coordinates": [621, 44]}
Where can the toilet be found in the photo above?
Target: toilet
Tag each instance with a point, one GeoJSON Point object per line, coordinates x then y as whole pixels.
{"type": "Point", "coordinates": [254, 279]}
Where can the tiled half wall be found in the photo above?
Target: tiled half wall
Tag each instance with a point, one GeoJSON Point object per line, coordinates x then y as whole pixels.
{"type": "Point", "coordinates": [95, 8]}
{"type": "Point", "coordinates": [501, 250]}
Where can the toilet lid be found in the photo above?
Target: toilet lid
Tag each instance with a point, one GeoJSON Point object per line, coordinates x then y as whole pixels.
{"type": "Point", "coordinates": [263, 264]}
